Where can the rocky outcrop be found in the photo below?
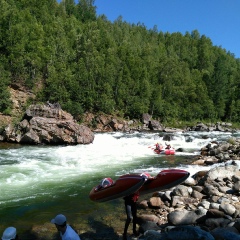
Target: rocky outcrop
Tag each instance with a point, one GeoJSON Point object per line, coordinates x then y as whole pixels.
{"type": "Point", "coordinates": [219, 152]}
{"type": "Point", "coordinates": [206, 207]}
{"type": "Point", "coordinates": [223, 151]}
{"type": "Point", "coordinates": [219, 126]}
{"type": "Point", "coordinates": [109, 123]}
{"type": "Point", "coordinates": [47, 124]}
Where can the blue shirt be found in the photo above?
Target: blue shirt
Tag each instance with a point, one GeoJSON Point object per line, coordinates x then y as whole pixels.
{"type": "Point", "coordinates": [70, 234]}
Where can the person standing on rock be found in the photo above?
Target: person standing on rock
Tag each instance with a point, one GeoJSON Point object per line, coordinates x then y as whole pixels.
{"type": "Point", "coordinates": [66, 231]}
{"type": "Point", "coordinates": [131, 211]}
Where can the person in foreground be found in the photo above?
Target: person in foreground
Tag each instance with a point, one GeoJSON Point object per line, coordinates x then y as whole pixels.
{"type": "Point", "coordinates": [131, 211]}
{"type": "Point", "coordinates": [66, 231]}
{"type": "Point", "coordinates": [10, 233]}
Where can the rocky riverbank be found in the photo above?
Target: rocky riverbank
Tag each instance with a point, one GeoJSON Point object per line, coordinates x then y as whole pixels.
{"type": "Point", "coordinates": [206, 206]}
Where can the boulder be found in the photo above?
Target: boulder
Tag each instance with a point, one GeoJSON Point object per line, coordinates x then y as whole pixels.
{"type": "Point", "coordinates": [48, 124]}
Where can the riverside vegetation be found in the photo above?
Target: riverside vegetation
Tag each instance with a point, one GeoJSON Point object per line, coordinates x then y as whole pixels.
{"type": "Point", "coordinates": [63, 52]}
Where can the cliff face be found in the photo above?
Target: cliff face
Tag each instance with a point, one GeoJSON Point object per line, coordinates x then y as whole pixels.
{"type": "Point", "coordinates": [19, 98]}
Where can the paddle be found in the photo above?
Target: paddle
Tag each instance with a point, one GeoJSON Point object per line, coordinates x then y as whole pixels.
{"type": "Point", "coordinates": [152, 146]}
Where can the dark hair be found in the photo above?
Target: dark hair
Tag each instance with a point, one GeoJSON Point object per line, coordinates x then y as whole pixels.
{"type": "Point", "coordinates": [62, 225]}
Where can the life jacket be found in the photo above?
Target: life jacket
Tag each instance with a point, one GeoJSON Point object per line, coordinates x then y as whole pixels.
{"type": "Point", "coordinates": [132, 198]}
{"type": "Point", "coordinates": [135, 196]}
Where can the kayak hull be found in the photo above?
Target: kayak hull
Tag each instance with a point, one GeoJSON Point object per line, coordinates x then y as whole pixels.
{"type": "Point", "coordinates": [131, 183]}
{"type": "Point", "coordinates": [164, 180]}
{"type": "Point", "coordinates": [123, 186]}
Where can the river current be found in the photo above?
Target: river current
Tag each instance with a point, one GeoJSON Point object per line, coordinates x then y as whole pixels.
{"type": "Point", "coordinates": [38, 182]}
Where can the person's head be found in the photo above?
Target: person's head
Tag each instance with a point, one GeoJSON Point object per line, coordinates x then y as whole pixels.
{"type": "Point", "coordinates": [60, 221]}
{"type": "Point", "coordinates": [10, 233]}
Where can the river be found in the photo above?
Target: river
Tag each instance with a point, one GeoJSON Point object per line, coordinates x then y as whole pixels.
{"type": "Point", "coordinates": [38, 182]}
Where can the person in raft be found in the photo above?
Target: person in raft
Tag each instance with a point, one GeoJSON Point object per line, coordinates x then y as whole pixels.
{"type": "Point", "coordinates": [158, 147]}
{"type": "Point", "coordinates": [66, 231]}
{"type": "Point", "coordinates": [168, 146]}
{"type": "Point", "coordinates": [131, 211]}
{"type": "Point", "coordinates": [10, 233]}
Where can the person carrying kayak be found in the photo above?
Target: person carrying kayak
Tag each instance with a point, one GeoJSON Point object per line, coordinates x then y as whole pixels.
{"type": "Point", "coordinates": [130, 203]}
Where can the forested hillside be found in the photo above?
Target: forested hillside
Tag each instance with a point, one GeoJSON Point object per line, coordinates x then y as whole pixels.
{"type": "Point", "coordinates": [65, 53]}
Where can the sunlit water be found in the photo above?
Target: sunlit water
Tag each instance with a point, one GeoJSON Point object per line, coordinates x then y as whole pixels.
{"type": "Point", "coordinates": [38, 182]}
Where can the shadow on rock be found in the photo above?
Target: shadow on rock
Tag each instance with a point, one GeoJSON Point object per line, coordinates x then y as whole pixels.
{"type": "Point", "coordinates": [99, 231]}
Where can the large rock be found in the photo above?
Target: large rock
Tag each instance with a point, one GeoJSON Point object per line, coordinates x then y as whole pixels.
{"type": "Point", "coordinates": [179, 233]}
{"type": "Point", "coordinates": [48, 124]}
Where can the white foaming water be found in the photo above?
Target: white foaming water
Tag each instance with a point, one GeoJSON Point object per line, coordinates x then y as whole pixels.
{"type": "Point", "coordinates": [28, 172]}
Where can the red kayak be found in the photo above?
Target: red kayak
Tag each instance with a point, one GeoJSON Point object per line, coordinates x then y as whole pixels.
{"type": "Point", "coordinates": [164, 180]}
{"type": "Point", "coordinates": [123, 186]}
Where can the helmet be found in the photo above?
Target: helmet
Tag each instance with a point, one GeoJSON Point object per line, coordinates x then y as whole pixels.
{"type": "Point", "coordinates": [106, 182]}
{"type": "Point", "coordinates": [145, 175]}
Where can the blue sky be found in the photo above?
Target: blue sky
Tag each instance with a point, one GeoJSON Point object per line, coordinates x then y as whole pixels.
{"type": "Point", "coordinates": [219, 20]}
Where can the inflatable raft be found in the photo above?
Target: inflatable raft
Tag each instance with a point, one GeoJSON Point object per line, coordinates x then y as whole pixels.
{"type": "Point", "coordinates": [165, 151]}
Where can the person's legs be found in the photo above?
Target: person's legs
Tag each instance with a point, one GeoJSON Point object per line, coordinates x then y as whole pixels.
{"type": "Point", "coordinates": [128, 220]}
{"type": "Point", "coordinates": [134, 215]}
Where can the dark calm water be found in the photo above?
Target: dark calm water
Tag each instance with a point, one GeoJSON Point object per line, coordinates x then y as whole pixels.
{"type": "Point", "coordinates": [38, 182]}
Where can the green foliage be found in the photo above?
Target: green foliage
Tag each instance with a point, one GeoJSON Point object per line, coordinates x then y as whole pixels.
{"type": "Point", "coordinates": [5, 102]}
{"type": "Point", "coordinates": [87, 63]}
{"type": "Point", "coordinates": [232, 141]}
